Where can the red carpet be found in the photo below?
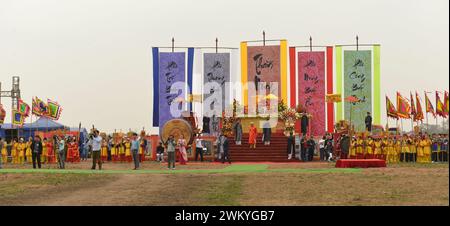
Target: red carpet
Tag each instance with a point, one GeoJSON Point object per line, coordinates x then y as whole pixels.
{"type": "Point", "coordinates": [360, 163]}
{"type": "Point", "coordinates": [275, 152]}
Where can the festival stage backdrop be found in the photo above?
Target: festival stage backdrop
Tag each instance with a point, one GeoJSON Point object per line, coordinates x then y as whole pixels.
{"type": "Point", "coordinates": [358, 83]}
{"type": "Point", "coordinates": [260, 64]}
{"type": "Point", "coordinates": [171, 70]}
{"type": "Point", "coordinates": [311, 85]}
{"type": "Point", "coordinates": [216, 69]}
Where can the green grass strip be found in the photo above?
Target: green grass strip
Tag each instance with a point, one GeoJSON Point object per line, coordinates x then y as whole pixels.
{"type": "Point", "coordinates": [239, 168]}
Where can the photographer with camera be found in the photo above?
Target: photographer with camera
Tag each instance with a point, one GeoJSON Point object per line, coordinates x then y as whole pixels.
{"type": "Point", "coordinates": [96, 141]}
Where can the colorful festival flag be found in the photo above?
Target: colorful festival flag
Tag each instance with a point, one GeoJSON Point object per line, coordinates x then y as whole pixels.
{"type": "Point", "coordinates": [23, 108]}
{"type": "Point", "coordinates": [413, 107]}
{"type": "Point", "coordinates": [39, 108]}
{"type": "Point", "coordinates": [2, 114]}
{"type": "Point", "coordinates": [54, 109]}
{"type": "Point", "coordinates": [390, 109]}
{"type": "Point", "coordinates": [419, 112]}
{"type": "Point", "coordinates": [439, 106]}
{"type": "Point", "coordinates": [17, 118]}
{"type": "Point", "coordinates": [428, 106]}
{"type": "Point", "coordinates": [333, 98]}
{"type": "Point", "coordinates": [446, 103]}
{"type": "Point", "coordinates": [403, 108]}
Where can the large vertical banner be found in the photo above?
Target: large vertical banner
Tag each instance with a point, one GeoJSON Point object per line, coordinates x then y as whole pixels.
{"type": "Point", "coordinates": [263, 67]}
{"type": "Point", "coordinates": [171, 70]}
{"type": "Point", "coordinates": [358, 83]}
{"type": "Point", "coordinates": [216, 69]}
{"type": "Point", "coordinates": [311, 85]}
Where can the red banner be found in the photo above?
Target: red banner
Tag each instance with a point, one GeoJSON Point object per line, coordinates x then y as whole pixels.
{"type": "Point", "coordinates": [311, 85]}
{"type": "Point", "coordinates": [330, 106]}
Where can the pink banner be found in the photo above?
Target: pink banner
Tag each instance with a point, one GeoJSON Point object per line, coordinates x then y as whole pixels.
{"type": "Point", "coordinates": [311, 85]}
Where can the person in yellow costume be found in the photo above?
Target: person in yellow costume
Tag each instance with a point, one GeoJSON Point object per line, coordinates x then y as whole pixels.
{"type": "Point", "coordinates": [390, 151]}
{"type": "Point", "coordinates": [384, 147]}
{"type": "Point", "coordinates": [420, 150]}
{"type": "Point", "coordinates": [4, 151]}
{"type": "Point", "coordinates": [405, 148]}
{"type": "Point", "coordinates": [104, 151]}
{"type": "Point", "coordinates": [28, 150]}
{"type": "Point", "coordinates": [21, 148]}
{"type": "Point", "coordinates": [14, 156]}
{"type": "Point", "coordinates": [427, 149]}
{"type": "Point", "coordinates": [114, 151]}
{"type": "Point", "coordinates": [369, 148]}
{"type": "Point", "coordinates": [413, 149]}
{"type": "Point", "coordinates": [377, 149]}
{"type": "Point", "coordinates": [122, 150]}
{"type": "Point", "coordinates": [353, 148]}
{"type": "Point", "coordinates": [44, 155]}
{"type": "Point", "coordinates": [397, 149]}
{"type": "Point", "coordinates": [359, 147]}
{"type": "Point", "coordinates": [128, 157]}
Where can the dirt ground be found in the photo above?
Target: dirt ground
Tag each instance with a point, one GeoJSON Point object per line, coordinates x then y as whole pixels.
{"type": "Point", "coordinates": [401, 184]}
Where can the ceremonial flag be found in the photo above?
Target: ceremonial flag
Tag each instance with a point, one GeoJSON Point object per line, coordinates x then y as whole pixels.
{"type": "Point", "coordinates": [403, 108]}
{"type": "Point", "coordinates": [439, 106]}
{"type": "Point", "coordinates": [23, 108]}
{"type": "Point", "coordinates": [54, 109]}
{"type": "Point", "coordinates": [390, 109]}
{"type": "Point", "coordinates": [333, 98]}
{"type": "Point", "coordinates": [39, 108]}
{"type": "Point", "coordinates": [446, 103]}
{"type": "Point", "coordinates": [413, 107]}
{"type": "Point", "coordinates": [2, 114]}
{"type": "Point", "coordinates": [428, 106]}
{"type": "Point", "coordinates": [419, 112]}
{"type": "Point", "coordinates": [17, 118]}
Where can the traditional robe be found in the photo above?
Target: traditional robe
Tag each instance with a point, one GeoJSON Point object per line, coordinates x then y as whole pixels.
{"type": "Point", "coordinates": [252, 134]}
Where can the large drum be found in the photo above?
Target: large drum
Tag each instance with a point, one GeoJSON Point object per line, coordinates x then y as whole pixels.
{"type": "Point", "coordinates": [177, 127]}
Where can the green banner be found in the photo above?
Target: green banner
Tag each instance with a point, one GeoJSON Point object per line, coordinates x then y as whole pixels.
{"type": "Point", "coordinates": [358, 83]}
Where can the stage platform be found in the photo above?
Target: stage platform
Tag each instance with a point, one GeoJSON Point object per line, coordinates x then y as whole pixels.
{"type": "Point", "coordinates": [360, 163]}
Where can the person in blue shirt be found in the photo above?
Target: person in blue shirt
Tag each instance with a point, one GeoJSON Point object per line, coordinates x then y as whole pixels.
{"type": "Point", "coordinates": [135, 150]}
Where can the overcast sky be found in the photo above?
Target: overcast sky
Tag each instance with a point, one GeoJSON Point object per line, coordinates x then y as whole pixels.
{"type": "Point", "coordinates": [94, 57]}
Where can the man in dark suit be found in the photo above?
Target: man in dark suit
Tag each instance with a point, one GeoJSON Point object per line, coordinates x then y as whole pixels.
{"type": "Point", "coordinates": [311, 147]}
{"type": "Point", "coordinates": [225, 145]}
{"type": "Point", "coordinates": [36, 151]}
{"type": "Point", "coordinates": [291, 145]}
{"type": "Point", "coordinates": [368, 122]}
{"type": "Point", "coordinates": [304, 121]}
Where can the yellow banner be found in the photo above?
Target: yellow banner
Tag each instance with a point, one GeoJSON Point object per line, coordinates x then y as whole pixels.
{"type": "Point", "coordinates": [333, 98]}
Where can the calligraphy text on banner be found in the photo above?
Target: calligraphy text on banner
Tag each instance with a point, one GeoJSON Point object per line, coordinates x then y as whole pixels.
{"type": "Point", "coordinates": [311, 84]}
{"type": "Point", "coordinates": [171, 84]}
{"type": "Point", "coordinates": [358, 83]}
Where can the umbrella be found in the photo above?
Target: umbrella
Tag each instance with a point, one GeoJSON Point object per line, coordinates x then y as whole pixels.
{"type": "Point", "coordinates": [271, 97]}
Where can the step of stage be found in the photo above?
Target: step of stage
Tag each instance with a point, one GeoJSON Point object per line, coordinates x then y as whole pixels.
{"type": "Point", "coordinates": [275, 152]}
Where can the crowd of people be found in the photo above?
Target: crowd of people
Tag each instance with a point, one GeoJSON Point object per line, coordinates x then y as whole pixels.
{"type": "Point", "coordinates": [39, 151]}
{"type": "Point", "coordinates": [61, 149]}
{"type": "Point", "coordinates": [420, 148]}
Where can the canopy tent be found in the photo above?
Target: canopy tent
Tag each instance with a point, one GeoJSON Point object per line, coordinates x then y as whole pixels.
{"type": "Point", "coordinates": [28, 129]}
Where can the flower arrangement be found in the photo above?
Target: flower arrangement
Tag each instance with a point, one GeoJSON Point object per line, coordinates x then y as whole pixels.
{"type": "Point", "coordinates": [289, 116]}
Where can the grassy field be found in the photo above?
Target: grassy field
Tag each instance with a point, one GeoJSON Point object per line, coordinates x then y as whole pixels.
{"type": "Point", "coordinates": [217, 184]}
